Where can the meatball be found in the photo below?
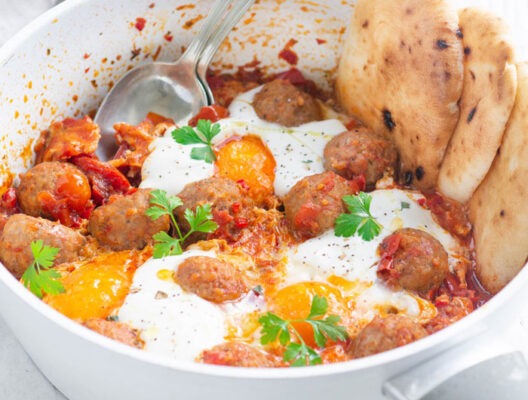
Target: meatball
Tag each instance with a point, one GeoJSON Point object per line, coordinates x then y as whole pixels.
{"type": "Point", "coordinates": [383, 334]}
{"type": "Point", "coordinates": [239, 355]}
{"type": "Point", "coordinates": [20, 230]}
{"type": "Point", "coordinates": [313, 203]}
{"type": "Point", "coordinates": [360, 152]}
{"type": "Point", "coordinates": [55, 190]}
{"type": "Point", "coordinates": [221, 193]}
{"type": "Point", "coordinates": [211, 279]}
{"type": "Point", "coordinates": [122, 224]}
{"type": "Point", "coordinates": [281, 102]}
{"type": "Point", "coordinates": [413, 260]}
{"type": "Point", "coordinates": [116, 331]}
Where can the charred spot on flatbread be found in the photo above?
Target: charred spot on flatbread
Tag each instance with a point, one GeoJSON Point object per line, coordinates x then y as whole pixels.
{"type": "Point", "coordinates": [401, 74]}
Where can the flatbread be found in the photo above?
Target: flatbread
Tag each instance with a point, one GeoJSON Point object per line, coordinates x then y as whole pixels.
{"type": "Point", "coordinates": [490, 83]}
{"type": "Point", "coordinates": [401, 73]}
{"type": "Point", "coordinates": [499, 208]}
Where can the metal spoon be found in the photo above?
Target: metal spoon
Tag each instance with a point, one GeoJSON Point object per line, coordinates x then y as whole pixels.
{"type": "Point", "coordinates": [174, 89]}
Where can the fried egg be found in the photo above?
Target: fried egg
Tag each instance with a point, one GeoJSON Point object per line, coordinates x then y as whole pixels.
{"type": "Point", "coordinates": [173, 322]}
{"type": "Point", "coordinates": [298, 151]}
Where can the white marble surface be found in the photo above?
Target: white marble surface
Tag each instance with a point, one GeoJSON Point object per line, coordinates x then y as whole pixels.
{"type": "Point", "coordinates": [20, 379]}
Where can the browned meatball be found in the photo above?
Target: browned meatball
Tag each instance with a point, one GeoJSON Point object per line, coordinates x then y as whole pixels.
{"type": "Point", "coordinates": [116, 331]}
{"type": "Point", "coordinates": [413, 259]}
{"type": "Point", "coordinates": [20, 230]}
{"type": "Point", "coordinates": [221, 193]}
{"type": "Point", "coordinates": [281, 102]}
{"type": "Point", "coordinates": [211, 279]}
{"type": "Point", "coordinates": [360, 152]}
{"type": "Point", "coordinates": [122, 224]}
{"type": "Point", "coordinates": [313, 203]}
{"type": "Point", "coordinates": [235, 354]}
{"type": "Point", "coordinates": [55, 190]}
{"type": "Point", "coordinates": [383, 334]}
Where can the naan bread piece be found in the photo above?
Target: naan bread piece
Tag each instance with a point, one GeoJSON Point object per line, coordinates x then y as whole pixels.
{"type": "Point", "coordinates": [499, 208]}
{"type": "Point", "coordinates": [401, 74]}
{"type": "Point", "coordinates": [490, 84]}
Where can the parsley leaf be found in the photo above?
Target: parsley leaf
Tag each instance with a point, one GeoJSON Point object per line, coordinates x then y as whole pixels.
{"type": "Point", "coordinates": [186, 135]}
{"type": "Point", "coordinates": [162, 204]}
{"type": "Point", "coordinates": [404, 204]}
{"type": "Point", "coordinates": [165, 245]}
{"type": "Point", "coordinates": [200, 220]}
{"type": "Point", "coordinates": [318, 308]}
{"type": "Point", "coordinates": [301, 355]}
{"type": "Point", "coordinates": [272, 327]}
{"type": "Point", "coordinates": [38, 277]}
{"type": "Point", "coordinates": [298, 353]}
{"type": "Point", "coordinates": [202, 134]}
{"type": "Point", "coordinates": [203, 153]}
{"type": "Point", "coordinates": [359, 219]}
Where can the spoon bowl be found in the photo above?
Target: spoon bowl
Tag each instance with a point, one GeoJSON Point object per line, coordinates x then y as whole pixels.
{"type": "Point", "coordinates": [175, 90]}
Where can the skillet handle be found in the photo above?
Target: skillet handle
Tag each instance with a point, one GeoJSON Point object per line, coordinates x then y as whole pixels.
{"type": "Point", "coordinates": [484, 366]}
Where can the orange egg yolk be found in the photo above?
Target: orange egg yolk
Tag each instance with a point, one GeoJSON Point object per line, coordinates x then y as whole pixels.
{"type": "Point", "coordinates": [96, 288]}
{"type": "Point", "coordinates": [249, 161]}
{"type": "Point", "coordinates": [294, 302]}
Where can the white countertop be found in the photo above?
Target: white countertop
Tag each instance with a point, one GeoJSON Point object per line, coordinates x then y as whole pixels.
{"type": "Point", "coordinates": [20, 379]}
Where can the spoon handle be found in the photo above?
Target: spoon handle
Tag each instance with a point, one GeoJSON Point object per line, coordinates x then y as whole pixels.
{"type": "Point", "coordinates": [232, 16]}
{"type": "Point", "coordinates": [200, 40]}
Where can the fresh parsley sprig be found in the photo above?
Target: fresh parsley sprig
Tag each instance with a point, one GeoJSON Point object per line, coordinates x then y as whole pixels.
{"type": "Point", "coordinates": [298, 353]}
{"type": "Point", "coordinates": [202, 134]}
{"type": "Point", "coordinates": [200, 220]}
{"type": "Point", "coordinates": [38, 277]}
{"type": "Point", "coordinates": [359, 219]}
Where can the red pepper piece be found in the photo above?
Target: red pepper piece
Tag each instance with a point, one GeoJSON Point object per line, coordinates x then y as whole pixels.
{"type": "Point", "coordinates": [211, 113]}
{"type": "Point", "coordinates": [105, 179]}
{"type": "Point", "coordinates": [241, 222]}
{"type": "Point", "coordinates": [140, 23]}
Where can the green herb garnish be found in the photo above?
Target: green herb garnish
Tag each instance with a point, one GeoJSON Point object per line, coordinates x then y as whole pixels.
{"type": "Point", "coordinates": [202, 134]}
{"type": "Point", "coordinates": [38, 277]}
{"type": "Point", "coordinates": [404, 204]}
{"type": "Point", "coordinates": [298, 353]}
{"type": "Point", "coordinates": [200, 220]}
{"type": "Point", "coordinates": [359, 219]}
